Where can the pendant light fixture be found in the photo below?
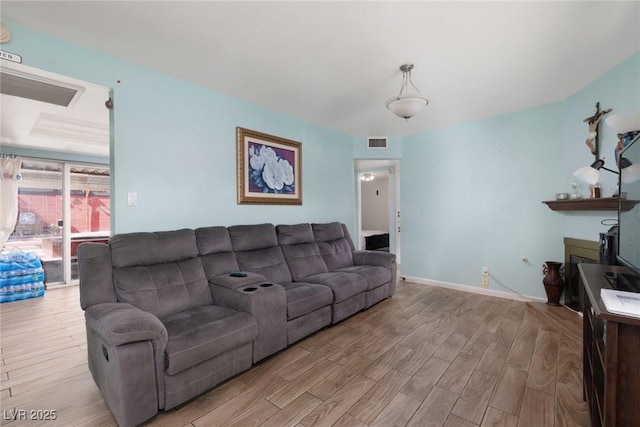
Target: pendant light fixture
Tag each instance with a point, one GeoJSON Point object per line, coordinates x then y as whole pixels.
{"type": "Point", "coordinates": [407, 105]}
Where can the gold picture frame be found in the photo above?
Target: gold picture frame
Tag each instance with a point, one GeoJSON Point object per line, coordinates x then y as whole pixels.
{"type": "Point", "coordinates": [269, 169]}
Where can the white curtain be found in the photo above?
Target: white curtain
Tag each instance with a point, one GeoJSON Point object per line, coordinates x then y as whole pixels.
{"type": "Point", "coordinates": [10, 175]}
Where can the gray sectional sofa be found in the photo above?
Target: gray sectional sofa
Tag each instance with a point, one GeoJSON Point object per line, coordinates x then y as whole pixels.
{"type": "Point", "coordinates": [166, 320]}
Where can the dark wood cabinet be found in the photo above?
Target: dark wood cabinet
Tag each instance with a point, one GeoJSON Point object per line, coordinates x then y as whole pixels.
{"type": "Point", "coordinates": [611, 355]}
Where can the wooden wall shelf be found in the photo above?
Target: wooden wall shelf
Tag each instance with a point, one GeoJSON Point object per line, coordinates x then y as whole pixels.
{"type": "Point", "coordinates": [602, 204]}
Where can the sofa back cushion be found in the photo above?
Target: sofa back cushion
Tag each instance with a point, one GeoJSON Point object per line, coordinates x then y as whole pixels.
{"type": "Point", "coordinates": [334, 244]}
{"type": "Point", "coordinates": [300, 250]}
{"type": "Point", "coordinates": [214, 247]}
{"type": "Point", "coordinates": [159, 272]}
{"type": "Point", "coordinates": [257, 251]}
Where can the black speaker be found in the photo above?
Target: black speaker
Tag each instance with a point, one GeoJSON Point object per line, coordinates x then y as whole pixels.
{"type": "Point", "coordinates": [608, 246]}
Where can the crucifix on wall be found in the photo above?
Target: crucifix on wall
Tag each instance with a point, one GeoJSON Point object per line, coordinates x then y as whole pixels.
{"type": "Point", "coordinates": [594, 121]}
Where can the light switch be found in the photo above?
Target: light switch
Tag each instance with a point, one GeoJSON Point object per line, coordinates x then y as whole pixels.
{"type": "Point", "coordinates": [132, 199]}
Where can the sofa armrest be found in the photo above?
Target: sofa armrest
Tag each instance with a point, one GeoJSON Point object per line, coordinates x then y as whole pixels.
{"type": "Point", "coordinates": [233, 282]}
{"type": "Point", "coordinates": [121, 323]}
{"type": "Point", "coordinates": [382, 259]}
{"type": "Point", "coordinates": [126, 358]}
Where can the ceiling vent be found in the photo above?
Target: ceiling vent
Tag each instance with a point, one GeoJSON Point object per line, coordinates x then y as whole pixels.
{"type": "Point", "coordinates": [30, 86]}
{"type": "Point", "coordinates": [377, 142]}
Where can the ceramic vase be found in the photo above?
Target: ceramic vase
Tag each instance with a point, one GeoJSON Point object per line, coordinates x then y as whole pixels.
{"type": "Point", "coordinates": [553, 281]}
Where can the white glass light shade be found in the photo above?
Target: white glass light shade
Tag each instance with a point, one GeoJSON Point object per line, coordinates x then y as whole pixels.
{"type": "Point", "coordinates": [624, 122]}
{"type": "Point", "coordinates": [588, 175]}
{"type": "Point", "coordinates": [406, 106]}
{"type": "Point", "coordinates": [631, 173]}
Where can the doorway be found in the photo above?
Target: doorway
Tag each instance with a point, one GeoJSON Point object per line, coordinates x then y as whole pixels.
{"type": "Point", "coordinates": [59, 128]}
{"type": "Point", "coordinates": [378, 205]}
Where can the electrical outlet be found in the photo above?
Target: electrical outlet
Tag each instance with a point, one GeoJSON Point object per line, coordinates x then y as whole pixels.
{"type": "Point", "coordinates": [485, 277]}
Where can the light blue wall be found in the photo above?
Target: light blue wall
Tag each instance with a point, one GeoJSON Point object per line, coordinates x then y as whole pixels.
{"type": "Point", "coordinates": [471, 194]}
{"type": "Point", "coordinates": [174, 144]}
{"type": "Point", "coordinates": [471, 197]}
{"type": "Point", "coordinates": [619, 89]}
{"type": "Point", "coordinates": [188, 150]}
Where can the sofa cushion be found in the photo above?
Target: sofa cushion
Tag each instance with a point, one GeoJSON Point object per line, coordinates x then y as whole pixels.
{"type": "Point", "coordinates": [347, 236]}
{"type": "Point", "coordinates": [214, 247]}
{"type": "Point", "coordinates": [163, 289]}
{"type": "Point", "coordinates": [252, 237]}
{"type": "Point", "coordinates": [304, 260]}
{"type": "Point", "coordinates": [268, 262]}
{"type": "Point", "coordinates": [303, 298]}
{"type": "Point", "coordinates": [336, 254]}
{"type": "Point", "coordinates": [344, 285]}
{"type": "Point", "coordinates": [146, 248]}
{"type": "Point", "coordinates": [335, 247]}
{"type": "Point", "coordinates": [213, 240]}
{"type": "Point", "coordinates": [375, 275]}
{"type": "Point", "coordinates": [257, 251]}
{"type": "Point", "coordinates": [201, 333]}
{"type": "Point", "coordinates": [159, 272]}
{"type": "Point", "coordinates": [327, 231]}
{"type": "Point", "coordinates": [294, 234]}
{"type": "Point", "coordinates": [300, 250]}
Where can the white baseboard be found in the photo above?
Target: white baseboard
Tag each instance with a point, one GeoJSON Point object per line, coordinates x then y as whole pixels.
{"type": "Point", "coordinates": [62, 285]}
{"type": "Point", "coordinates": [473, 289]}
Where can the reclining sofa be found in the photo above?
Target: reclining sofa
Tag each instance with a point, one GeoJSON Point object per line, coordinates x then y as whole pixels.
{"type": "Point", "coordinates": [168, 317]}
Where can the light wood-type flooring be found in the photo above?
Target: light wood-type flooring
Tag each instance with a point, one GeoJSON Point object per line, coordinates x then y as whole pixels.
{"type": "Point", "coordinates": [428, 356]}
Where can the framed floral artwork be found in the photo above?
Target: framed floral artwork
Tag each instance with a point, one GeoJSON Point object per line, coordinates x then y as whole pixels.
{"type": "Point", "coordinates": [269, 169]}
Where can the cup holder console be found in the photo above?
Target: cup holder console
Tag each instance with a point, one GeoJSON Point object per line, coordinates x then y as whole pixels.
{"type": "Point", "coordinates": [254, 288]}
{"type": "Point", "coordinates": [267, 303]}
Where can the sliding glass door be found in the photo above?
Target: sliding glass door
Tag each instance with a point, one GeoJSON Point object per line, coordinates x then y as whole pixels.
{"type": "Point", "coordinates": [89, 213]}
{"type": "Point", "coordinates": [60, 205]}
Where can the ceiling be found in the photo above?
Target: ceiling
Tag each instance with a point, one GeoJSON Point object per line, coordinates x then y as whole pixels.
{"type": "Point", "coordinates": [336, 63]}
{"type": "Point", "coordinates": [82, 127]}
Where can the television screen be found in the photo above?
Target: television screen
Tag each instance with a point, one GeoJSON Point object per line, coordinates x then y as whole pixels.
{"type": "Point", "coordinates": [629, 220]}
